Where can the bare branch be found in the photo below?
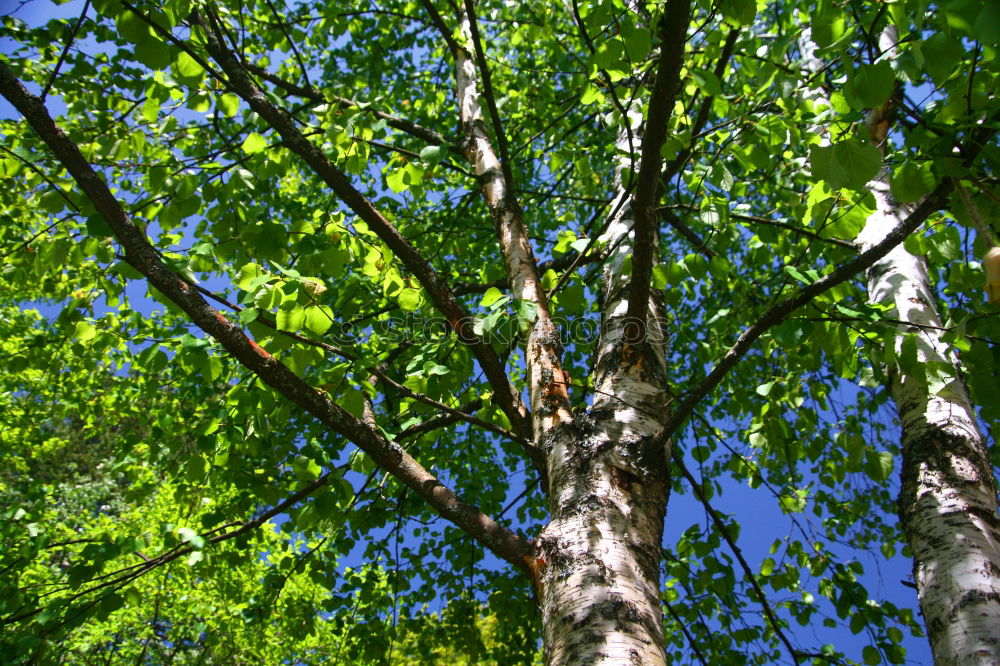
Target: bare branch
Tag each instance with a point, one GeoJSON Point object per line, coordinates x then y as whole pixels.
{"type": "Point", "coordinates": [66, 47]}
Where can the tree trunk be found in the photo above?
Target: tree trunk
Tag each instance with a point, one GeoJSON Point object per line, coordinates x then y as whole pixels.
{"type": "Point", "coordinates": [947, 502]}
{"type": "Point", "coordinates": [598, 570]}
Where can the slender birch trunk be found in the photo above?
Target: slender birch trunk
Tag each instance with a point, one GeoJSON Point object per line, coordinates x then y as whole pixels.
{"type": "Point", "coordinates": [947, 502]}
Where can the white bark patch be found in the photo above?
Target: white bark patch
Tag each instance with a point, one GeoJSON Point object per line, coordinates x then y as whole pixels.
{"type": "Point", "coordinates": [468, 96]}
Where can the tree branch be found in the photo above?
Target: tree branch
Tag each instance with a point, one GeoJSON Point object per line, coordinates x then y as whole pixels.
{"type": "Point", "coordinates": [436, 286]}
{"type": "Point", "coordinates": [747, 571]}
{"type": "Point", "coordinates": [779, 311]}
{"type": "Point", "coordinates": [543, 349]}
{"type": "Point", "coordinates": [673, 34]}
{"type": "Point", "coordinates": [144, 258]}
{"type": "Point", "coordinates": [684, 230]}
{"type": "Point", "coordinates": [491, 103]}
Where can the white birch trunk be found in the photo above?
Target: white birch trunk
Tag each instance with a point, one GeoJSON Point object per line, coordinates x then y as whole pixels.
{"type": "Point", "coordinates": [596, 564]}
{"type": "Point", "coordinates": [598, 558]}
{"type": "Point", "coordinates": [948, 502]}
{"type": "Point", "coordinates": [547, 388]}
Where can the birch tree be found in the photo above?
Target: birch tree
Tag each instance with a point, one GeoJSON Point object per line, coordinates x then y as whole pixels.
{"type": "Point", "coordinates": [948, 496]}
{"type": "Point", "coordinates": [460, 293]}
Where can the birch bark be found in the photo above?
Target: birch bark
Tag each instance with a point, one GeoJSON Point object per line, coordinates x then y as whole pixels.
{"type": "Point", "coordinates": [598, 573]}
{"type": "Point", "coordinates": [947, 502]}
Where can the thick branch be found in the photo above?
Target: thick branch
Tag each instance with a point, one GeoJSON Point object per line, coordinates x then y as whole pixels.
{"type": "Point", "coordinates": [661, 104]}
{"type": "Point", "coordinates": [144, 258]}
{"type": "Point", "coordinates": [436, 287]}
{"type": "Point", "coordinates": [543, 349]}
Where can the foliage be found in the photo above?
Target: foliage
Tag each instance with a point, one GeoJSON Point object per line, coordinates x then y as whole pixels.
{"type": "Point", "coordinates": [128, 435]}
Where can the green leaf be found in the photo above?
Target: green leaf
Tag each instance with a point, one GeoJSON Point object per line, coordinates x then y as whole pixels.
{"type": "Point", "coordinates": [248, 276]}
{"type": "Point", "coordinates": [433, 368]}
{"type": "Point", "coordinates": [291, 319]}
{"type": "Point", "coordinates": [397, 181]}
{"type": "Point", "coordinates": [409, 299]}
{"type": "Point", "coordinates": [988, 24]}
{"type": "Point", "coordinates": [809, 277]}
{"type": "Point", "coordinates": [84, 331]}
{"type": "Point", "coordinates": [98, 226]}
{"type": "Point", "coordinates": [526, 311]}
{"type": "Point", "coordinates": [696, 265]}
{"type": "Point", "coordinates": [187, 70]}
{"type": "Point", "coordinates": [229, 104]}
{"type": "Point", "coordinates": [765, 389]}
{"type": "Point", "coordinates": [794, 502]}
{"type": "Point", "coordinates": [132, 28]}
{"type": "Point", "coordinates": [878, 465]}
{"type": "Point", "coordinates": [740, 12]}
{"type": "Point", "coordinates": [707, 81]}
{"type": "Point", "coordinates": [871, 655]}
{"type": "Point", "coordinates": [254, 143]}
{"type": "Point", "coordinates": [849, 164]}
{"type": "Point", "coordinates": [591, 95]}
{"type": "Point", "coordinates": [153, 53]}
{"type": "Point", "coordinates": [911, 182]}
{"type": "Point", "coordinates": [636, 40]}
{"type": "Point", "coordinates": [828, 25]}
{"type": "Point", "coordinates": [661, 276]}
{"type": "Point", "coordinates": [319, 319]}
{"type": "Point", "coordinates": [433, 154]}
{"type": "Point", "coordinates": [870, 85]}
{"type": "Point", "coordinates": [306, 469]}
{"type": "Point", "coordinates": [491, 296]}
